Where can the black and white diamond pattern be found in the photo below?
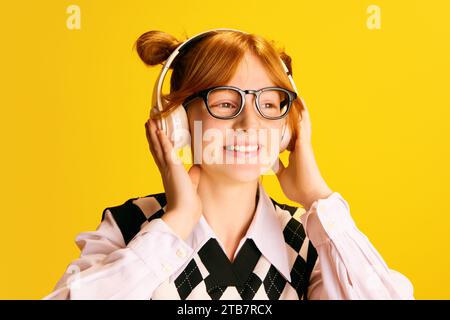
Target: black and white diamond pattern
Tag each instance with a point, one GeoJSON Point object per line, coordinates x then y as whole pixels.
{"type": "Point", "coordinates": [274, 283]}
{"type": "Point", "coordinates": [251, 286]}
{"type": "Point", "coordinates": [210, 274]}
{"type": "Point", "coordinates": [188, 280]}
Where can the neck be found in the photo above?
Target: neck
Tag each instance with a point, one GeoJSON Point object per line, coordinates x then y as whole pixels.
{"type": "Point", "coordinates": [228, 207]}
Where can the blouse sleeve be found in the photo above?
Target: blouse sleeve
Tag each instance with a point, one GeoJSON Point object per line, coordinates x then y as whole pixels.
{"type": "Point", "coordinates": [108, 269]}
{"type": "Point", "coordinates": [348, 265]}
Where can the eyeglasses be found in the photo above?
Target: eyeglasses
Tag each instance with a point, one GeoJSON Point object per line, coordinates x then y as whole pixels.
{"type": "Point", "coordinates": [227, 102]}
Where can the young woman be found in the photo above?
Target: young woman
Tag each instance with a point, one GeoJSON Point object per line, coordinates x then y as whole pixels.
{"type": "Point", "coordinates": [215, 233]}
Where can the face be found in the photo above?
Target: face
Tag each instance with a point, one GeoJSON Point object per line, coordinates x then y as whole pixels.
{"type": "Point", "coordinates": [239, 149]}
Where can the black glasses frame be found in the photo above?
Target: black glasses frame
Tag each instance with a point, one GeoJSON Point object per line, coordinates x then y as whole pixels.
{"type": "Point", "coordinates": [205, 93]}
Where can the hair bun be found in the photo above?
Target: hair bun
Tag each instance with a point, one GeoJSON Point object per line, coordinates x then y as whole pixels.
{"type": "Point", "coordinates": [154, 47]}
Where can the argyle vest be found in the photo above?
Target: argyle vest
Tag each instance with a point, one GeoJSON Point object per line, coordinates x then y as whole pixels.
{"type": "Point", "coordinates": [210, 274]}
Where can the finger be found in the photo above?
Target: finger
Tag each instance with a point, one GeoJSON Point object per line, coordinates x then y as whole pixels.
{"type": "Point", "coordinates": [305, 108]}
{"type": "Point", "coordinates": [305, 112]}
{"type": "Point", "coordinates": [153, 142]}
{"type": "Point", "coordinates": [305, 123]}
{"type": "Point", "coordinates": [155, 145]}
{"type": "Point", "coordinates": [154, 156]}
{"type": "Point", "coordinates": [298, 123]}
{"type": "Point", "coordinates": [194, 174]}
{"type": "Point", "coordinates": [167, 148]}
{"type": "Point", "coordinates": [302, 122]}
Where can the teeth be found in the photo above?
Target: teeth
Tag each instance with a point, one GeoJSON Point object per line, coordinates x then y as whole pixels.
{"type": "Point", "coordinates": [242, 148]}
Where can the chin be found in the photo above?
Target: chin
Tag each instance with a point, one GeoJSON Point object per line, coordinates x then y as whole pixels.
{"type": "Point", "coordinates": [241, 173]}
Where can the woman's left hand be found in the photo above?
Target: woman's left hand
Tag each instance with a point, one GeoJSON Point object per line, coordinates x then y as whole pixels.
{"type": "Point", "coordinates": [301, 180]}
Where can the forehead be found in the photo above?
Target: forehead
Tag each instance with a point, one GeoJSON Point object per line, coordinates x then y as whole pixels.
{"type": "Point", "coordinates": [251, 74]}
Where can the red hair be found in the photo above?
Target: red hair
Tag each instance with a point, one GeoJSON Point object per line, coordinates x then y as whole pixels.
{"type": "Point", "coordinates": [212, 61]}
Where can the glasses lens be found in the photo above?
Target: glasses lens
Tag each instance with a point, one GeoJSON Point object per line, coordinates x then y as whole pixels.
{"type": "Point", "coordinates": [274, 103]}
{"type": "Point", "coordinates": [224, 102]}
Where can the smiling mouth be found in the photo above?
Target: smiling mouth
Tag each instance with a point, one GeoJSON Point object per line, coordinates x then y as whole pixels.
{"type": "Point", "coordinates": [242, 148]}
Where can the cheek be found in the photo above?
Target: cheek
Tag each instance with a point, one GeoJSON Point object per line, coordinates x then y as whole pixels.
{"type": "Point", "coordinates": [207, 137]}
{"type": "Point", "coordinates": [270, 140]}
{"type": "Point", "coordinates": [270, 137]}
{"type": "Point", "coordinates": [213, 139]}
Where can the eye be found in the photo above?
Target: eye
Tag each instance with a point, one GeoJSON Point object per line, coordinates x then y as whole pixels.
{"type": "Point", "coordinates": [269, 105]}
{"type": "Point", "coordinates": [224, 105]}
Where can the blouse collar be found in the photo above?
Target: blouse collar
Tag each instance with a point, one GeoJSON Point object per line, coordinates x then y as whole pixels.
{"type": "Point", "coordinates": [265, 230]}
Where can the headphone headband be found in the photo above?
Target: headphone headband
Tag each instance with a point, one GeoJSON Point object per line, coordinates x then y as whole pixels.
{"type": "Point", "coordinates": [157, 105]}
{"type": "Point", "coordinates": [167, 64]}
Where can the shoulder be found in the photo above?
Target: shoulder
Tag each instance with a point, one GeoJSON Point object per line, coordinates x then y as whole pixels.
{"type": "Point", "coordinates": [282, 208]}
{"type": "Point", "coordinates": [134, 212]}
{"type": "Point", "coordinates": [288, 215]}
{"type": "Point", "coordinates": [293, 230]}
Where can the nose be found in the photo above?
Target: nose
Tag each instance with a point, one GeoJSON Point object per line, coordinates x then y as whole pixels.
{"type": "Point", "coordinates": [249, 117]}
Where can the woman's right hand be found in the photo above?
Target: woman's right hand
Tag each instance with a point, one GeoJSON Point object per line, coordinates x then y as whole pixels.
{"type": "Point", "coordinates": [184, 206]}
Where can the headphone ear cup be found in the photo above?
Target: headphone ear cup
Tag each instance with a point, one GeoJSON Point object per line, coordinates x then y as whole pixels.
{"type": "Point", "coordinates": [176, 127]}
{"type": "Point", "coordinates": [286, 138]}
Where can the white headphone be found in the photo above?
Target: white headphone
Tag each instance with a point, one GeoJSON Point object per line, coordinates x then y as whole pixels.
{"type": "Point", "coordinates": [176, 124]}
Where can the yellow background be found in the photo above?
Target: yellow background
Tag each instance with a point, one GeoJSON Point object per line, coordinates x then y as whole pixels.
{"type": "Point", "coordinates": [73, 105]}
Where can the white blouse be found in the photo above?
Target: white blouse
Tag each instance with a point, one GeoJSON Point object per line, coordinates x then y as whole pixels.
{"type": "Point", "coordinates": [287, 253]}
